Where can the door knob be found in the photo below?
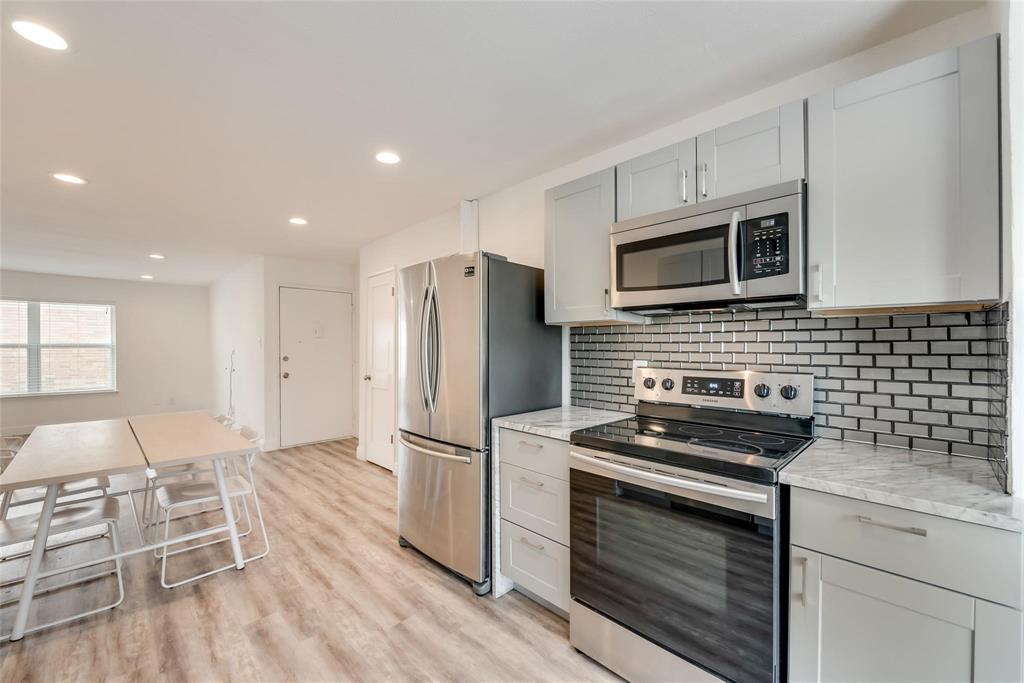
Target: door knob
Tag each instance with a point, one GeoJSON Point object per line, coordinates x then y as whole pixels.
{"type": "Point", "coordinates": [366, 378]}
{"type": "Point", "coordinates": [285, 375]}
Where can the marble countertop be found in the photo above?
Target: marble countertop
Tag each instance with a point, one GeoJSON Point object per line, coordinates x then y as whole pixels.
{"type": "Point", "coordinates": [947, 486]}
{"type": "Point", "coordinates": [558, 423]}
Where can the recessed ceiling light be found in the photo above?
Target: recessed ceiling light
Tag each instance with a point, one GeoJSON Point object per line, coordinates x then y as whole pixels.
{"type": "Point", "coordinates": [68, 178]}
{"type": "Point", "coordinates": [146, 277]}
{"type": "Point", "coordinates": [40, 35]}
{"type": "Point", "coordinates": [297, 221]}
{"type": "Point", "coordinates": [388, 157]}
{"type": "Point", "coordinates": [158, 257]}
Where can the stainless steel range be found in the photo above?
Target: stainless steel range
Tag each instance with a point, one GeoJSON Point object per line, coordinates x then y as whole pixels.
{"type": "Point", "coordinates": [677, 524]}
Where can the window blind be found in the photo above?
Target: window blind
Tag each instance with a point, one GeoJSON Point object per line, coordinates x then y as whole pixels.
{"type": "Point", "coordinates": [56, 347]}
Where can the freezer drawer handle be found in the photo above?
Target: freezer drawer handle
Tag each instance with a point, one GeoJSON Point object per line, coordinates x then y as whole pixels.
{"type": "Point", "coordinates": [435, 454]}
{"type": "Point", "coordinates": [532, 482]}
{"type": "Point", "coordinates": [538, 446]}
{"type": "Point", "coordinates": [916, 531]}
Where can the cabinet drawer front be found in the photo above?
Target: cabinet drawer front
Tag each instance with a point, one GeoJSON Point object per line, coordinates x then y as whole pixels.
{"type": "Point", "coordinates": [535, 501]}
{"type": "Point", "coordinates": [535, 453]}
{"type": "Point", "coordinates": [973, 559]}
{"type": "Point", "coordinates": [537, 564]}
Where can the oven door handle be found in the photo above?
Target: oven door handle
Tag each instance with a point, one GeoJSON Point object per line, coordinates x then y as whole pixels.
{"type": "Point", "coordinates": [665, 480]}
{"type": "Point", "coordinates": [734, 239]}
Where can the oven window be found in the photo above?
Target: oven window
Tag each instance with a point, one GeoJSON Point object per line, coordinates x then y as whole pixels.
{"type": "Point", "coordinates": [695, 578]}
{"type": "Point", "coordinates": [687, 259]}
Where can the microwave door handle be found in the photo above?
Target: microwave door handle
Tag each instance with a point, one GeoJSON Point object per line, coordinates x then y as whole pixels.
{"type": "Point", "coordinates": [734, 268]}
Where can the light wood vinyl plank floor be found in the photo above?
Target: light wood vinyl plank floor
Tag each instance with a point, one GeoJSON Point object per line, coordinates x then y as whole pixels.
{"type": "Point", "coordinates": [337, 599]}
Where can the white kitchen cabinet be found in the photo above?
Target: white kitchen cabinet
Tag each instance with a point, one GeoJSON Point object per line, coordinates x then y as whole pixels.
{"type": "Point", "coordinates": [657, 181]}
{"type": "Point", "coordinates": [903, 184]}
{"type": "Point", "coordinates": [577, 268]}
{"type": "Point", "coordinates": [758, 151]}
{"type": "Point", "coordinates": [852, 623]}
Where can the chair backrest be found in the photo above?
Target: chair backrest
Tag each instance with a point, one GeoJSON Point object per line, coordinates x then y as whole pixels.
{"type": "Point", "coordinates": [223, 419]}
{"type": "Point", "coordinates": [12, 443]}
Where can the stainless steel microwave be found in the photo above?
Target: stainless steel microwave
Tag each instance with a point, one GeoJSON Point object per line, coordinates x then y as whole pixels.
{"type": "Point", "coordinates": [744, 251]}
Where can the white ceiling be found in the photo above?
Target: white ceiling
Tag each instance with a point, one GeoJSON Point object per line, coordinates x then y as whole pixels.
{"type": "Point", "coordinates": [203, 126]}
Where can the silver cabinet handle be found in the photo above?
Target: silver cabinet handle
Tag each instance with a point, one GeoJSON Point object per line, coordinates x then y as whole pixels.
{"type": "Point", "coordinates": [434, 454]}
{"type": "Point", "coordinates": [538, 446]}
{"type": "Point", "coordinates": [704, 181]}
{"type": "Point", "coordinates": [285, 375]}
{"type": "Point", "coordinates": [734, 269]}
{"type": "Point", "coordinates": [530, 544]}
{"type": "Point", "coordinates": [532, 482]}
{"type": "Point", "coordinates": [819, 284]}
{"type": "Point", "coordinates": [682, 185]}
{"type": "Point", "coordinates": [367, 378]}
{"type": "Point", "coordinates": [802, 562]}
{"type": "Point", "coordinates": [916, 531]}
{"type": "Point", "coordinates": [607, 300]}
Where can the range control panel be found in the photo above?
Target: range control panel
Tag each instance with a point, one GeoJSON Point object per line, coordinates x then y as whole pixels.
{"type": "Point", "coordinates": [713, 386]}
{"type": "Point", "coordinates": [766, 246]}
{"type": "Point", "coordinates": [786, 393]}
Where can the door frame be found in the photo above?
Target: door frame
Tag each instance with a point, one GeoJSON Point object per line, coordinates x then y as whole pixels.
{"type": "Point", "coordinates": [364, 347]}
{"type": "Point", "coordinates": [353, 323]}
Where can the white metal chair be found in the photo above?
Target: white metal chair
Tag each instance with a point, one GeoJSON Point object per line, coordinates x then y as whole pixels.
{"type": "Point", "coordinates": [181, 495]}
{"type": "Point", "coordinates": [66, 519]}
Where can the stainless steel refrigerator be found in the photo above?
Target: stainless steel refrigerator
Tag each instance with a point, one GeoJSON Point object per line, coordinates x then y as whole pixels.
{"type": "Point", "coordinates": [472, 345]}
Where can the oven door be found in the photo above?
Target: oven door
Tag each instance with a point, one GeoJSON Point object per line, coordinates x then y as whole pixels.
{"type": "Point", "coordinates": [688, 563]}
{"type": "Point", "coordinates": [689, 260]}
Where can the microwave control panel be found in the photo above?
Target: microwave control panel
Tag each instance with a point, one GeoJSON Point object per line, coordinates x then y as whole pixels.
{"type": "Point", "coordinates": [765, 246]}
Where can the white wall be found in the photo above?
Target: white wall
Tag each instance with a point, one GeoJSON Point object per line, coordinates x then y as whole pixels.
{"type": "Point", "coordinates": [163, 349]}
{"type": "Point", "coordinates": [237, 323]}
{"type": "Point", "coordinates": [512, 219]}
{"type": "Point", "coordinates": [1015, 228]}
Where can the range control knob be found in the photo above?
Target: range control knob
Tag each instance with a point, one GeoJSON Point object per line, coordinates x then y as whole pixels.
{"type": "Point", "coordinates": [667, 384]}
{"type": "Point", "coordinates": [649, 382]}
{"type": "Point", "coordinates": [788, 392]}
{"type": "Point", "coordinates": [762, 390]}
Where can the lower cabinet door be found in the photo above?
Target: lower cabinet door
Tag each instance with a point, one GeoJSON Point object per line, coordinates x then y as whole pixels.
{"type": "Point", "coordinates": [852, 623]}
{"type": "Point", "coordinates": [535, 563]}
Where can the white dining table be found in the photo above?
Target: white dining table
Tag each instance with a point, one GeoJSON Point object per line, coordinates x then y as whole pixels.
{"type": "Point", "coordinates": [57, 454]}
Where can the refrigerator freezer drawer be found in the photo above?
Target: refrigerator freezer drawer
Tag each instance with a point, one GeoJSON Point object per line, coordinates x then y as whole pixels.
{"type": "Point", "coordinates": [442, 503]}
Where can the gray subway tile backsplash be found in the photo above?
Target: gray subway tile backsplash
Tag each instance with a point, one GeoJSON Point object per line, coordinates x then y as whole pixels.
{"type": "Point", "coordinates": [928, 381]}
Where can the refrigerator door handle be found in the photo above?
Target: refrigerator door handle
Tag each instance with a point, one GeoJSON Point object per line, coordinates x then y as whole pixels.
{"type": "Point", "coordinates": [424, 331]}
{"type": "Point", "coordinates": [435, 315]}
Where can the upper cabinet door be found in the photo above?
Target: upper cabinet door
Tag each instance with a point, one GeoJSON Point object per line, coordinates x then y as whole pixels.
{"type": "Point", "coordinates": [758, 151]}
{"type": "Point", "coordinates": [903, 184]}
{"type": "Point", "coordinates": [577, 246]}
{"type": "Point", "coordinates": [657, 181]}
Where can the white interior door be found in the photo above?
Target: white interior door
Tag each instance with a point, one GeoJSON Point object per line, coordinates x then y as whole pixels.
{"type": "Point", "coordinates": [378, 437]}
{"type": "Point", "coordinates": [315, 365]}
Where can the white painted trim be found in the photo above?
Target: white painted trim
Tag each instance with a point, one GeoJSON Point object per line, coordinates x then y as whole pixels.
{"type": "Point", "coordinates": [1014, 93]}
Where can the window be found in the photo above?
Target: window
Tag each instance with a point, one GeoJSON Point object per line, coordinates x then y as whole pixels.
{"type": "Point", "coordinates": [56, 348]}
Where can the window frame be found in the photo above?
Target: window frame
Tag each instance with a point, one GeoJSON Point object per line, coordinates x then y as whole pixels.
{"type": "Point", "coordinates": [35, 347]}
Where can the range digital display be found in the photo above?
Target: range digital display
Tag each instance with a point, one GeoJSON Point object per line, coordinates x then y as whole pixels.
{"type": "Point", "coordinates": [713, 386]}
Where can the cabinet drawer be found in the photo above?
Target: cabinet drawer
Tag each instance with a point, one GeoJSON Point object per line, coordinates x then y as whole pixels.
{"type": "Point", "coordinates": [535, 501]}
{"type": "Point", "coordinates": [535, 453]}
{"type": "Point", "coordinates": [973, 559]}
{"type": "Point", "coordinates": [537, 564]}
